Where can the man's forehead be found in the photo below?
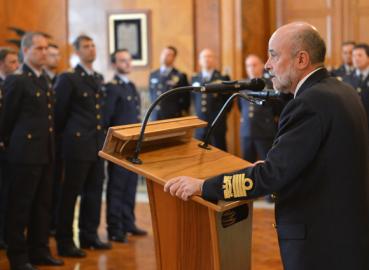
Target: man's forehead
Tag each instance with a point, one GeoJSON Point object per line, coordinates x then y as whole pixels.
{"type": "Point", "coordinates": [40, 40]}
{"type": "Point", "coordinates": [359, 50]}
{"type": "Point", "coordinates": [87, 42]}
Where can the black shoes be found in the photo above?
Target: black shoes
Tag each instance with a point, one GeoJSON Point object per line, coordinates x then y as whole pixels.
{"type": "Point", "coordinates": [138, 232]}
{"type": "Point", "coordinates": [70, 251]}
{"type": "Point", "coordinates": [26, 266]}
{"type": "Point", "coordinates": [94, 244]}
{"type": "Point", "coordinates": [119, 238]}
{"type": "Point", "coordinates": [46, 260]}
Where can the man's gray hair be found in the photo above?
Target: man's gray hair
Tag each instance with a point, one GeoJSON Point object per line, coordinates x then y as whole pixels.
{"type": "Point", "coordinates": [310, 41]}
{"type": "Point", "coordinates": [27, 39]}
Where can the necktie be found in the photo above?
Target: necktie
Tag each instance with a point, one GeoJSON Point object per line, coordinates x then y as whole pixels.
{"type": "Point", "coordinates": [361, 77]}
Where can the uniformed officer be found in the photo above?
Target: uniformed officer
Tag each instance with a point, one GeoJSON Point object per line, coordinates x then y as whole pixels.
{"type": "Point", "coordinates": [79, 121]}
{"type": "Point", "coordinates": [207, 106]}
{"type": "Point", "coordinates": [8, 65]}
{"type": "Point", "coordinates": [258, 123]}
{"type": "Point", "coordinates": [317, 167]}
{"type": "Point", "coordinates": [52, 63]}
{"type": "Point", "coordinates": [28, 132]}
{"type": "Point", "coordinates": [347, 66]}
{"type": "Point", "coordinates": [122, 107]}
{"type": "Point", "coordinates": [164, 79]}
{"type": "Point", "coordinates": [359, 79]}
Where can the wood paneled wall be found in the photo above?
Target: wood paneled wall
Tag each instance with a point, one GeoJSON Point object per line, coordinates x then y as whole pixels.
{"type": "Point", "coordinates": [337, 21]}
{"type": "Point", "coordinates": [36, 15]}
{"type": "Point", "coordinates": [232, 28]}
{"type": "Point", "coordinates": [170, 23]}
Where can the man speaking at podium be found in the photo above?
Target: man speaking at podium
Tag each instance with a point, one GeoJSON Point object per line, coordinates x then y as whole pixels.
{"type": "Point", "coordinates": [317, 167]}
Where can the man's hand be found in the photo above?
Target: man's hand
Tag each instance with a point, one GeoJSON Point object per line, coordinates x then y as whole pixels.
{"type": "Point", "coordinates": [184, 187]}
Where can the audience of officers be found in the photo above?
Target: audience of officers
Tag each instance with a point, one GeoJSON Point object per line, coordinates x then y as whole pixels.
{"type": "Point", "coordinates": [53, 125]}
{"type": "Point", "coordinates": [358, 77]}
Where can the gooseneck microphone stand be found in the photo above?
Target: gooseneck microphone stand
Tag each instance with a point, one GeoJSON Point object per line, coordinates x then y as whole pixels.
{"type": "Point", "coordinates": [205, 143]}
{"type": "Point", "coordinates": [134, 159]}
{"type": "Point", "coordinates": [222, 88]}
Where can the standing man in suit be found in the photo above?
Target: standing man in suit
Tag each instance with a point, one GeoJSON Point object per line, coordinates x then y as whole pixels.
{"type": "Point", "coordinates": [8, 65]}
{"type": "Point", "coordinates": [359, 79]}
{"type": "Point", "coordinates": [79, 122]}
{"type": "Point", "coordinates": [317, 167]}
{"type": "Point", "coordinates": [164, 79]}
{"type": "Point", "coordinates": [122, 107]}
{"type": "Point", "coordinates": [28, 131]}
{"type": "Point", "coordinates": [347, 66]}
{"type": "Point", "coordinates": [207, 106]}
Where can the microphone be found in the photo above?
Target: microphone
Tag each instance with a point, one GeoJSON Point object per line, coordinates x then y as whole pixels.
{"type": "Point", "coordinates": [266, 93]}
{"type": "Point", "coordinates": [226, 87]}
{"type": "Point", "coordinates": [242, 94]}
{"type": "Point", "coordinates": [230, 87]}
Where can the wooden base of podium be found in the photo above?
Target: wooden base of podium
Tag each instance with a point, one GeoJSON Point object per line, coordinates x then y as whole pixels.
{"type": "Point", "coordinates": [191, 236]}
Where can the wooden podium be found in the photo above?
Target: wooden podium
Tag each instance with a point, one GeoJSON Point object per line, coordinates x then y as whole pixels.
{"type": "Point", "coordinates": [193, 235]}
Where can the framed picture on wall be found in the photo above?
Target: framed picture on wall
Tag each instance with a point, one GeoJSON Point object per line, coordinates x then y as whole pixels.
{"type": "Point", "coordinates": [129, 30]}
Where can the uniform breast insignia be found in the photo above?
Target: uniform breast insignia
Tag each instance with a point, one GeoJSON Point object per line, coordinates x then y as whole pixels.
{"type": "Point", "coordinates": [114, 82]}
{"type": "Point", "coordinates": [154, 80]}
{"type": "Point", "coordinates": [236, 186]}
{"type": "Point", "coordinates": [175, 79]}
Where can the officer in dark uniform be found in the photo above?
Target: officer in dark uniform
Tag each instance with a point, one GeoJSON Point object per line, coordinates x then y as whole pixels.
{"type": "Point", "coordinates": [3, 188]}
{"type": "Point", "coordinates": [52, 63]}
{"type": "Point", "coordinates": [258, 123]}
{"type": "Point", "coordinates": [8, 65]}
{"type": "Point", "coordinates": [359, 79]}
{"type": "Point", "coordinates": [317, 167]}
{"type": "Point", "coordinates": [28, 132]}
{"type": "Point", "coordinates": [347, 66]}
{"type": "Point", "coordinates": [164, 79]}
{"type": "Point", "coordinates": [122, 107]}
{"type": "Point", "coordinates": [79, 121]}
{"type": "Point", "coordinates": [207, 106]}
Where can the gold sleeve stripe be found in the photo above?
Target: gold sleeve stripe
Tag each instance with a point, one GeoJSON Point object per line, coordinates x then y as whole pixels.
{"type": "Point", "coordinates": [236, 186]}
{"type": "Point", "coordinates": [227, 187]}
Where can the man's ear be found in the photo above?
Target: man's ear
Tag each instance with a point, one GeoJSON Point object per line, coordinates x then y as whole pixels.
{"type": "Point", "coordinates": [303, 59]}
{"type": "Point", "coordinates": [25, 50]}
